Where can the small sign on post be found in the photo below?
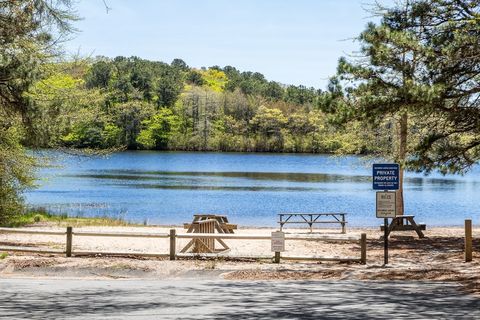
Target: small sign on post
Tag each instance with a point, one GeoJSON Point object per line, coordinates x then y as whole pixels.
{"type": "Point", "coordinates": [278, 241]}
{"type": "Point", "coordinates": [386, 204]}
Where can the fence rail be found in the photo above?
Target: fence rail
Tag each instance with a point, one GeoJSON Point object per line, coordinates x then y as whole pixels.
{"type": "Point", "coordinates": [28, 231]}
{"type": "Point", "coordinates": [173, 236]}
{"type": "Point", "coordinates": [121, 234]}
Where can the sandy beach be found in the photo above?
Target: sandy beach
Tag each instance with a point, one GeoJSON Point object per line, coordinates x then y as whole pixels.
{"type": "Point", "coordinates": [438, 256]}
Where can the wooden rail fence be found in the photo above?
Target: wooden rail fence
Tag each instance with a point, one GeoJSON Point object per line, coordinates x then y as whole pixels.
{"type": "Point", "coordinates": [173, 236]}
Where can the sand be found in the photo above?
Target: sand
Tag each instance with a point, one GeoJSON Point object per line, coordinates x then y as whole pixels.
{"type": "Point", "coordinates": [438, 256]}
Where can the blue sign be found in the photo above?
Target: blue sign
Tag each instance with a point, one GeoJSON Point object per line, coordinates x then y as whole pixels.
{"type": "Point", "coordinates": [386, 176]}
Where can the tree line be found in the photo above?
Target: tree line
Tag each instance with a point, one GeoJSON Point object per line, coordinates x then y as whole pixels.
{"type": "Point", "coordinates": [140, 104]}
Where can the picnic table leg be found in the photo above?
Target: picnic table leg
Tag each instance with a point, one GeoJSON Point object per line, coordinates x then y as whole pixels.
{"type": "Point", "coordinates": [391, 227]}
{"type": "Point", "coordinates": [343, 224]}
{"type": "Point", "coordinates": [190, 229]}
{"type": "Point", "coordinates": [416, 227]}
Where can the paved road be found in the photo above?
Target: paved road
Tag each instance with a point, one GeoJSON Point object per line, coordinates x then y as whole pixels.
{"type": "Point", "coordinates": [197, 299]}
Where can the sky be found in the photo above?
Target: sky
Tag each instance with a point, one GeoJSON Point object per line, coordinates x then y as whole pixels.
{"type": "Point", "coordinates": [289, 41]}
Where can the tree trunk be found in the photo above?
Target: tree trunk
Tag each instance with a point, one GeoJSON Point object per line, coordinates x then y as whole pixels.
{"type": "Point", "coordinates": [402, 151]}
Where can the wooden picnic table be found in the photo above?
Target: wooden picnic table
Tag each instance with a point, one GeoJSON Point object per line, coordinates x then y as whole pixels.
{"type": "Point", "coordinates": [208, 223]}
{"type": "Point", "coordinates": [405, 223]}
{"type": "Point", "coordinates": [312, 218]}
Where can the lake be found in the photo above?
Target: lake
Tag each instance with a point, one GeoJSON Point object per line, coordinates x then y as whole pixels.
{"type": "Point", "coordinates": [251, 188]}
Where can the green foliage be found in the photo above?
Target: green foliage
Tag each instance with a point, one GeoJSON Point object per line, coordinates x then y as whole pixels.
{"type": "Point", "coordinates": [214, 79]}
{"type": "Point", "coordinates": [300, 95]}
{"type": "Point", "coordinates": [16, 171]}
{"type": "Point", "coordinates": [421, 62]}
{"type": "Point", "coordinates": [111, 135]}
{"type": "Point", "coordinates": [54, 104]}
{"type": "Point", "coordinates": [159, 130]}
{"type": "Point", "coordinates": [100, 75]}
{"type": "Point", "coordinates": [195, 77]}
{"type": "Point", "coordinates": [26, 41]}
{"type": "Point", "coordinates": [128, 117]}
{"type": "Point", "coordinates": [29, 31]}
{"type": "Point", "coordinates": [273, 91]}
{"type": "Point", "coordinates": [179, 64]}
{"type": "Point", "coordinates": [115, 103]}
{"type": "Point", "coordinates": [168, 89]}
{"type": "Point", "coordinates": [63, 220]}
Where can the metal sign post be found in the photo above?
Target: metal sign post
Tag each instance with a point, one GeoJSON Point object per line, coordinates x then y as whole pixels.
{"type": "Point", "coordinates": [386, 177]}
{"type": "Point", "coordinates": [386, 208]}
{"type": "Point", "coordinates": [385, 241]}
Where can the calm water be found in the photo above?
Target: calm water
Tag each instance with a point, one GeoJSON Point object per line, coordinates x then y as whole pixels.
{"type": "Point", "coordinates": [169, 187]}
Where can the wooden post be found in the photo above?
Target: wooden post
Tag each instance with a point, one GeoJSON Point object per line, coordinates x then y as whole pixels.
{"type": "Point", "coordinates": [173, 240]}
{"type": "Point", "coordinates": [277, 257]}
{"type": "Point", "coordinates": [68, 249]}
{"type": "Point", "coordinates": [468, 240]}
{"type": "Point", "coordinates": [363, 248]}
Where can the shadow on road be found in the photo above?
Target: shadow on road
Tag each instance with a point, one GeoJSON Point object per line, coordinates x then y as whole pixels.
{"type": "Point", "coordinates": [180, 299]}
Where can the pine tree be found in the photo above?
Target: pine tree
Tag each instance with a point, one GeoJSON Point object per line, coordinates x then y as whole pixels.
{"type": "Point", "coordinates": [28, 31]}
{"type": "Point", "coordinates": [419, 70]}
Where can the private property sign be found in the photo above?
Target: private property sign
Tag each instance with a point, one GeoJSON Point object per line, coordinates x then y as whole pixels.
{"type": "Point", "coordinates": [386, 176]}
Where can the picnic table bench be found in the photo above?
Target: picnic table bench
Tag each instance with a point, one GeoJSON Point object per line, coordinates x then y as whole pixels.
{"type": "Point", "coordinates": [223, 223]}
{"type": "Point", "coordinates": [208, 223]}
{"type": "Point", "coordinates": [405, 223]}
{"type": "Point", "coordinates": [312, 218]}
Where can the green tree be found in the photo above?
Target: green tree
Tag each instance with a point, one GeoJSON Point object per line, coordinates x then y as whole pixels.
{"type": "Point", "coordinates": [168, 88]}
{"type": "Point", "coordinates": [16, 171]}
{"type": "Point", "coordinates": [418, 63]}
{"type": "Point", "coordinates": [194, 77]}
{"type": "Point", "coordinates": [450, 33]}
{"type": "Point", "coordinates": [128, 117]}
{"type": "Point", "coordinates": [179, 64]}
{"type": "Point", "coordinates": [269, 124]}
{"type": "Point", "coordinates": [26, 39]}
{"type": "Point", "coordinates": [273, 91]}
{"type": "Point", "coordinates": [159, 130]}
{"type": "Point", "coordinates": [100, 75]}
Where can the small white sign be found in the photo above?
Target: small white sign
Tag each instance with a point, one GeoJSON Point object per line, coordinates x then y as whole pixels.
{"type": "Point", "coordinates": [278, 241]}
{"type": "Point", "coordinates": [386, 204]}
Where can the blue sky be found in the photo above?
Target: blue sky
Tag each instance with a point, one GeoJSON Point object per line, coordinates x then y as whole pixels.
{"type": "Point", "coordinates": [293, 42]}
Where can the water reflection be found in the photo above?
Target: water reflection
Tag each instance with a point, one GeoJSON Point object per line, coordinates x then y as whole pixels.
{"type": "Point", "coordinates": [218, 188]}
{"type": "Point", "coordinates": [195, 176]}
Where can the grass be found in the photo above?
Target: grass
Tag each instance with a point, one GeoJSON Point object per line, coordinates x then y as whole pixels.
{"type": "Point", "coordinates": [3, 255]}
{"type": "Point", "coordinates": [41, 216]}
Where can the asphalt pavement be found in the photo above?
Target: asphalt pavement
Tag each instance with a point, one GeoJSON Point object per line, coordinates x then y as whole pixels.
{"type": "Point", "coordinates": [221, 299]}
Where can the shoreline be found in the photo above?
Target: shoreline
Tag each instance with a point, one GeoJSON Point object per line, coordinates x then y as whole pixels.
{"type": "Point", "coordinates": [63, 219]}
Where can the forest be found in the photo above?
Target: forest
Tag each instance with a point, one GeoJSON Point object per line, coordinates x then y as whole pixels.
{"type": "Point", "coordinates": [134, 103]}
